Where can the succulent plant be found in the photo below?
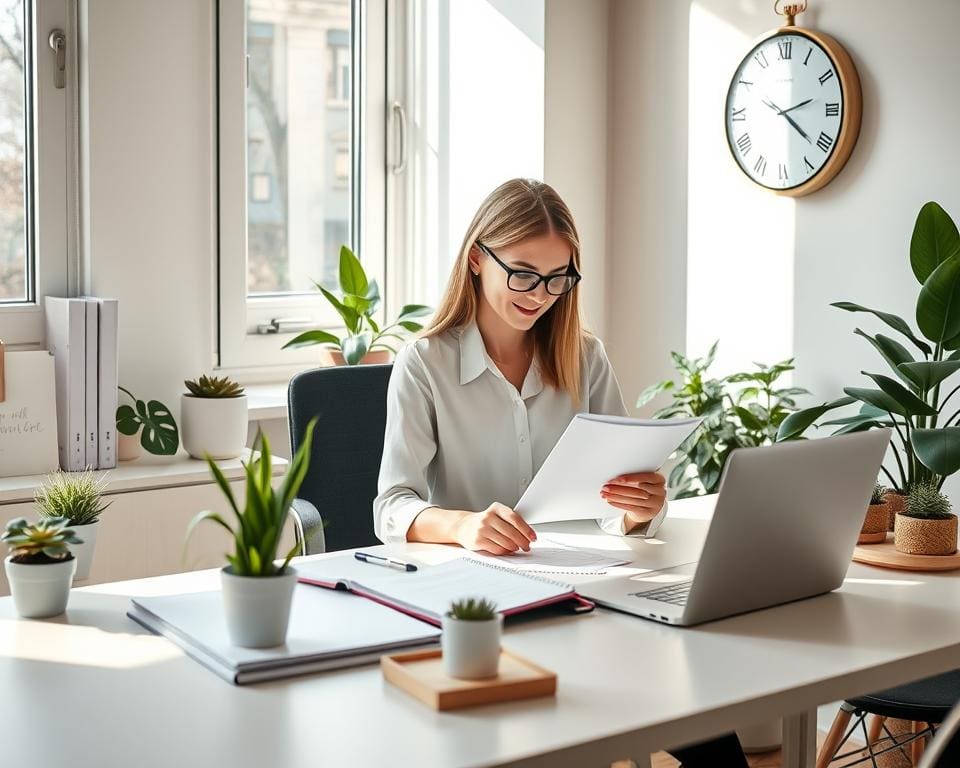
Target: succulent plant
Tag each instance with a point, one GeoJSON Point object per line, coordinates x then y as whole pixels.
{"type": "Point", "coordinates": [44, 541]}
{"type": "Point", "coordinates": [73, 495]}
{"type": "Point", "coordinates": [209, 386]}
{"type": "Point", "coordinates": [473, 609]}
{"type": "Point", "coordinates": [877, 497]}
{"type": "Point", "coordinates": [925, 501]}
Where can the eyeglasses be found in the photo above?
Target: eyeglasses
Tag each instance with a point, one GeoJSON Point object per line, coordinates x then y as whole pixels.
{"type": "Point", "coordinates": [524, 281]}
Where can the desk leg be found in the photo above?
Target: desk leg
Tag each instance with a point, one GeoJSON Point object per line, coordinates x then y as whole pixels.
{"type": "Point", "coordinates": [800, 740]}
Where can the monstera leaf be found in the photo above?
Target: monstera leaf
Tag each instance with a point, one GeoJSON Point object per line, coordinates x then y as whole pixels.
{"type": "Point", "coordinates": [160, 435]}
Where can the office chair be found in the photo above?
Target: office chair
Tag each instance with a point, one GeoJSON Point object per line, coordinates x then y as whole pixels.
{"type": "Point", "coordinates": [944, 750]}
{"type": "Point", "coordinates": [925, 702]}
{"type": "Point", "coordinates": [334, 508]}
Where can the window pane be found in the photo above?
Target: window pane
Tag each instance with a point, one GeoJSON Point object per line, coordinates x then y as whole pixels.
{"type": "Point", "coordinates": [299, 142]}
{"type": "Point", "coordinates": [13, 134]}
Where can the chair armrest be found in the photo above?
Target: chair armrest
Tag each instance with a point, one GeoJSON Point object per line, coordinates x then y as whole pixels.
{"type": "Point", "coordinates": [308, 527]}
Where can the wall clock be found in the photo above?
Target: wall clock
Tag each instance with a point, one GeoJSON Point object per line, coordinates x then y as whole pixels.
{"type": "Point", "coordinates": [793, 108]}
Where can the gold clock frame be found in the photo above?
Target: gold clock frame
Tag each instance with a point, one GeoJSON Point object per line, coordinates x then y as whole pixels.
{"type": "Point", "coordinates": [849, 122]}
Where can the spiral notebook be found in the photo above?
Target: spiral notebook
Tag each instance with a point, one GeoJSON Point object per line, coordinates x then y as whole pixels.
{"type": "Point", "coordinates": [428, 592]}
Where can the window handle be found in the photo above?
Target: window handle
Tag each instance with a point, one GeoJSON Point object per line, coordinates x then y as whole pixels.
{"type": "Point", "coordinates": [286, 325]}
{"type": "Point", "coordinates": [58, 41]}
{"type": "Point", "coordinates": [398, 110]}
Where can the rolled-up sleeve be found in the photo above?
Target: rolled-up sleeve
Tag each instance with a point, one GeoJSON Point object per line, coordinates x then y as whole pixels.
{"type": "Point", "coordinates": [409, 446]}
{"type": "Point", "coordinates": [606, 398]}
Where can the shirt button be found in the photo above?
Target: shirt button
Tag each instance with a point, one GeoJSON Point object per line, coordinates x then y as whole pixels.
{"type": "Point", "coordinates": [523, 438]}
{"type": "Point", "coordinates": [523, 481]}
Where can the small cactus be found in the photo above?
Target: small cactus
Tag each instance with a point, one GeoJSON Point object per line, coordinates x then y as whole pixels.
{"type": "Point", "coordinates": [208, 386]}
{"type": "Point", "coordinates": [877, 496]}
{"type": "Point", "coordinates": [473, 609]}
{"type": "Point", "coordinates": [44, 541]}
{"type": "Point", "coordinates": [925, 501]}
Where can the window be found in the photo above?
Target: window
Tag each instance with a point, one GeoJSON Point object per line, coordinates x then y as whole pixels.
{"type": "Point", "coordinates": [293, 90]}
{"type": "Point", "coordinates": [34, 177]}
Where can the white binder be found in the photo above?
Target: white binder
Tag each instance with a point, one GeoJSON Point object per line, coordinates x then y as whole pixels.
{"type": "Point", "coordinates": [91, 365]}
{"type": "Point", "coordinates": [66, 335]}
{"type": "Point", "coordinates": [109, 355]}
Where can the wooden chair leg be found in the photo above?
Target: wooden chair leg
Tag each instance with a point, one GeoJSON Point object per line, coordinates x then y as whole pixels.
{"type": "Point", "coordinates": [916, 748]}
{"type": "Point", "coordinates": [876, 725]}
{"type": "Point", "coordinates": [834, 737]}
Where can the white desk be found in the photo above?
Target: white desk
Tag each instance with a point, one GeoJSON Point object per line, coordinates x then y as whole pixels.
{"type": "Point", "coordinates": [627, 687]}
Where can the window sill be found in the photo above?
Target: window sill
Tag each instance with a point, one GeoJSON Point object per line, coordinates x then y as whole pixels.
{"type": "Point", "coordinates": [267, 401]}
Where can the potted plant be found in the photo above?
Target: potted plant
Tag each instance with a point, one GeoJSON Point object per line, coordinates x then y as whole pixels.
{"type": "Point", "coordinates": [470, 639]}
{"type": "Point", "coordinates": [149, 425]}
{"type": "Point", "coordinates": [366, 342]}
{"type": "Point", "coordinates": [926, 444]}
{"type": "Point", "coordinates": [742, 410]}
{"type": "Point", "coordinates": [40, 567]}
{"type": "Point", "coordinates": [214, 417]}
{"type": "Point", "coordinates": [257, 591]}
{"type": "Point", "coordinates": [876, 522]}
{"type": "Point", "coordinates": [76, 497]}
{"type": "Point", "coordinates": [926, 526]}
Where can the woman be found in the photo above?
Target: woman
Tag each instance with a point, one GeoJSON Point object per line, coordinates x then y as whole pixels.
{"type": "Point", "coordinates": [478, 401]}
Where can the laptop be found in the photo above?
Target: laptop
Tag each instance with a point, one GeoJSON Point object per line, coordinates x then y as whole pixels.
{"type": "Point", "coordinates": [784, 527]}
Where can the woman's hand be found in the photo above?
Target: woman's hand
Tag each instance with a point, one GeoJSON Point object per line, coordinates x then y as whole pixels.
{"type": "Point", "coordinates": [497, 530]}
{"type": "Point", "coordinates": [640, 494]}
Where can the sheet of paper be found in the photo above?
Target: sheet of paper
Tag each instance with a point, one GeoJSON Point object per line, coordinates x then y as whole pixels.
{"type": "Point", "coordinates": [550, 556]}
{"type": "Point", "coordinates": [593, 450]}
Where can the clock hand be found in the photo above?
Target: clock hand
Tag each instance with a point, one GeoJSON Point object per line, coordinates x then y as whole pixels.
{"type": "Point", "coordinates": [796, 106]}
{"type": "Point", "coordinates": [788, 118]}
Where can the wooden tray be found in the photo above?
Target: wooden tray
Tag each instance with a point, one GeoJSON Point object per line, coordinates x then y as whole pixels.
{"type": "Point", "coordinates": [886, 556]}
{"type": "Point", "coordinates": [420, 674]}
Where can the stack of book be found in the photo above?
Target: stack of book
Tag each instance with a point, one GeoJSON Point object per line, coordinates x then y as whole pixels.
{"type": "Point", "coordinates": [82, 337]}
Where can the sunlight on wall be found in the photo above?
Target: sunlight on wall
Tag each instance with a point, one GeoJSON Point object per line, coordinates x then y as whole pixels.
{"type": "Point", "coordinates": [740, 238]}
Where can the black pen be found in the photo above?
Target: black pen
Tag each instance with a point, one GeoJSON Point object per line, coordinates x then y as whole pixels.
{"type": "Point", "coordinates": [387, 562]}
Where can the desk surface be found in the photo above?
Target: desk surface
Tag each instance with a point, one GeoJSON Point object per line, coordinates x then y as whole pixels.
{"type": "Point", "coordinates": [626, 686]}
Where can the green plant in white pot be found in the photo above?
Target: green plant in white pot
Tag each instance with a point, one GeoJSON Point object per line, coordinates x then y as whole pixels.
{"type": "Point", "coordinates": [78, 497]}
{"type": "Point", "coordinates": [258, 590]}
{"type": "Point", "coordinates": [470, 639]}
{"type": "Point", "coordinates": [213, 418]}
{"type": "Point", "coordinates": [40, 566]}
{"type": "Point", "coordinates": [366, 341]}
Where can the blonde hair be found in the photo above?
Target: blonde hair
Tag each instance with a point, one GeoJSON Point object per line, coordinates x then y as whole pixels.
{"type": "Point", "coordinates": [514, 211]}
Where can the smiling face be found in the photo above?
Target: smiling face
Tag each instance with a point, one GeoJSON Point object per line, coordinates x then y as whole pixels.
{"type": "Point", "coordinates": [545, 254]}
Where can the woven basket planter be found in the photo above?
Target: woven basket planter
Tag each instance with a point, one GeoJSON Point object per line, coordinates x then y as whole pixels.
{"type": "Point", "coordinates": [925, 536]}
{"type": "Point", "coordinates": [896, 502]}
{"type": "Point", "coordinates": [875, 525]}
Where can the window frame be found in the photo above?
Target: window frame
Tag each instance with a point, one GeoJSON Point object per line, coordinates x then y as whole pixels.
{"type": "Point", "coordinates": [241, 351]}
{"type": "Point", "coordinates": [51, 173]}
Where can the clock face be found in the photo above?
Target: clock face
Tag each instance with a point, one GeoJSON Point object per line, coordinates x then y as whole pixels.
{"type": "Point", "coordinates": [785, 106]}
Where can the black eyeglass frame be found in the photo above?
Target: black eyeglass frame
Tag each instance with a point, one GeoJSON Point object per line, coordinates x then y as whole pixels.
{"type": "Point", "coordinates": [545, 279]}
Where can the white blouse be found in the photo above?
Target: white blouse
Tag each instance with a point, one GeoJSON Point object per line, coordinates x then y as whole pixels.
{"type": "Point", "coordinates": [460, 436]}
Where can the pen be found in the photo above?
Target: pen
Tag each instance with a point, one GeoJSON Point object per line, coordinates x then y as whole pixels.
{"type": "Point", "coordinates": [387, 562]}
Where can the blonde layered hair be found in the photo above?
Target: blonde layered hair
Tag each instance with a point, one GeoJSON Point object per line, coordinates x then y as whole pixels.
{"type": "Point", "coordinates": [514, 211]}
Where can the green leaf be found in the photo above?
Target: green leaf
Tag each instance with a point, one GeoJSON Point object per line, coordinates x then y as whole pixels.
{"type": "Point", "coordinates": [348, 314]}
{"type": "Point", "coordinates": [309, 338]}
{"type": "Point", "coordinates": [127, 420]}
{"type": "Point", "coordinates": [912, 404]}
{"type": "Point", "coordinates": [797, 423]}
{"type": "Point", "coordinates": [355, 347]}
{"type": "Point", "coordinates": [411, 326]}
{"type": "Point", "coordinates": [357, 303]}
{"type": "Point", "coordinates": [858, 426]}
{"type": "Point", "coordinates": [353, 280]}
{"type": "Point", "coordinates": [749, 420]}
{"type": "Point", "coordinates": [653, 390]}
{"type": "Point", "coordinates": [938, 449]}
{"type": "Point", "coordinates": [935, 239]}
{"type": "Point", "coordinates": [897, 323]}
{"type": "Point", "coordinates": [893, 352]}
{"type": "Point", "coordinates": [938, 306]}
{"type": "Point", "coordinates": [929, 374]}
{"type": "Point", "coordinates": [413, 311]}
{"type": "Point", "coordinates": [160, 435]}
{"type": "Point", "coordinates": [877, 398]}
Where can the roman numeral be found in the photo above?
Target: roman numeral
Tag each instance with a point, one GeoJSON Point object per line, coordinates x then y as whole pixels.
{"type": "Point", "coordinates": [782, 172]}
{"type": "Point", "coordinates": [761, 58]}
{"type": "Point", "coordinates": [833, 110]}
{"type": "Point", "coordinates": [808, 164]}
{"type": "Point", "coordinates": [786, 49]}
{"type": "Point", "coordinates": [825, 76]}
{"type": "Point", "coordinates": [740, 114]}
{"type": "Point", "coordinates": [807, 57]}
{"type": "Point", "coordinates": [744, 143]}
{"type": "Point", "coordinates": [760, 166]}
{"type": "Point", "coordinates": [824, 142]}
{"type": "Point", "coordinates": [746, 83]}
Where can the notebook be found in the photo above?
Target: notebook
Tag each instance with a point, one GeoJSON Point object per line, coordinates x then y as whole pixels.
{"type": "Point", "coordinates": [428, 592]}
{"type": "Point", "coordinates": [328, 630]}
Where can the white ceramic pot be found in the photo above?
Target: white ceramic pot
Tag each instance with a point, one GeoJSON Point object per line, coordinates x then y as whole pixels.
{"type": "Point", "coordinates": [471, 649]}
{"type": "Point", "coordinates": [128, 446]}
{"type": "Point", "coordinates": [213, 425]}
{"type": "Point", "coordinates": [764, 737]}
{"type": "Point", "coordinates": [40, 590]}
{"type": "Point", "coordinates": [257, 608]}
{"type": "Point", "coordinates": [84, 552]}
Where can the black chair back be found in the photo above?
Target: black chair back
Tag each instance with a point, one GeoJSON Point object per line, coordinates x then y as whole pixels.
{"type": "Point", "coordinates": [350, 403]}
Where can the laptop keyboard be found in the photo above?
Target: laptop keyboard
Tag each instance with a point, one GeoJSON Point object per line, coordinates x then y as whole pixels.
{"type": "Point", "coordinates": [675, 594]}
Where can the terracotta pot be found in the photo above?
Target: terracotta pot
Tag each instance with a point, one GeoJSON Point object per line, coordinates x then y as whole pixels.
{"type": "Point", "coordinates": [896, 502]}
{"type": "Point", "coordinates": [925, 536]}
{"type": "Point", "coordinates": [874, 528]}
{"type": "Point", "coordinates": [329, 357]}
